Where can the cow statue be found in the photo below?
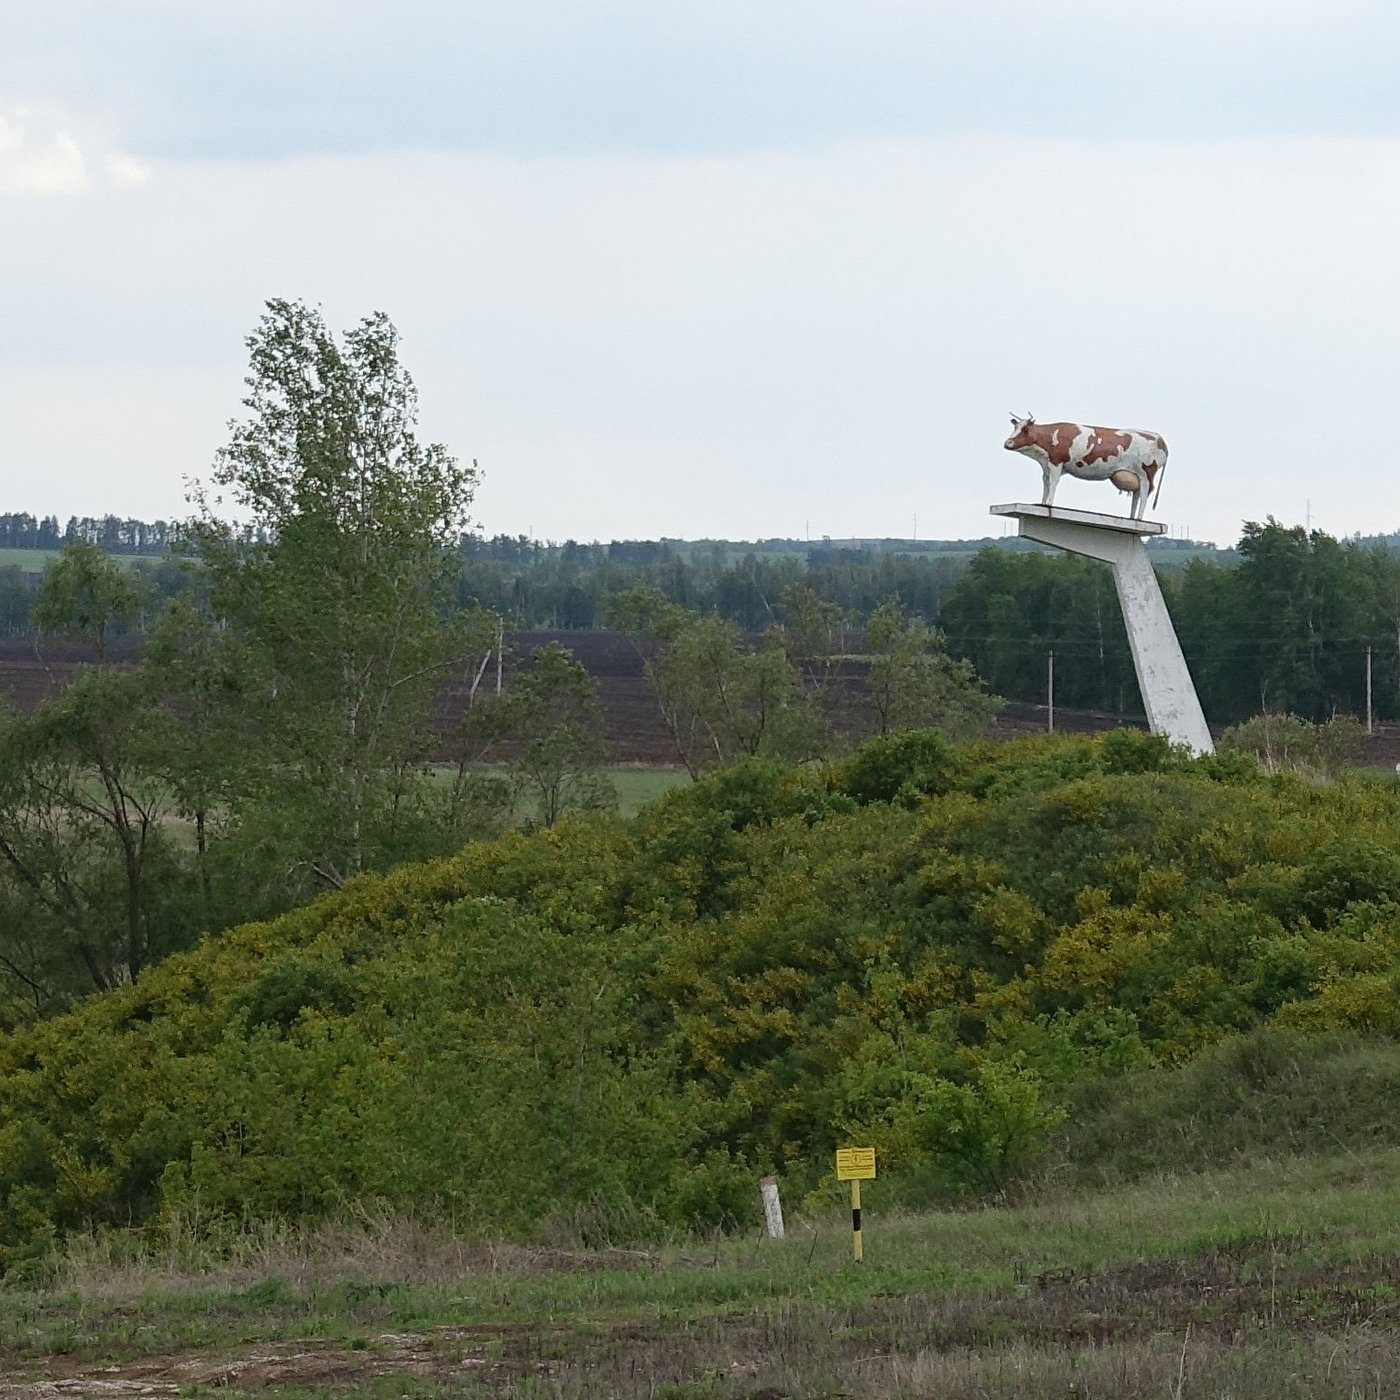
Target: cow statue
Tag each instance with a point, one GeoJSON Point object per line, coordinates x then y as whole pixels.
{"type": "Point", "coordinates": [1133, 461]}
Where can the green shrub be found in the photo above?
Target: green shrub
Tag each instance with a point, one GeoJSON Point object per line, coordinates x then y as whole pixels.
{"type": "Point", "coordinates": [983, 1134]}
{"type": "Point", "coordinates": [943, 948]}
{"type": "Point", "coordinates": [1270, 1093]}
{"type": "Point", "coordinates": [899, 767]}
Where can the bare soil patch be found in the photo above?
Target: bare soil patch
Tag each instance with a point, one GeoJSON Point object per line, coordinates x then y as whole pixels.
{"type": "Point", "coordinates": [1191, 1319]}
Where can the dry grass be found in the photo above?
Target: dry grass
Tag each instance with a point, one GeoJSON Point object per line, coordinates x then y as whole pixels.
{"type": "Point", "coordinates": [1279, 1280]}
{"type": "Point", "coordinates": [367, 1245]}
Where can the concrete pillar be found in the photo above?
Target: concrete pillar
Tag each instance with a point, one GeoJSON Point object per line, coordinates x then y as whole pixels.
{"type": "Point", "coordinates": [1168, 692]}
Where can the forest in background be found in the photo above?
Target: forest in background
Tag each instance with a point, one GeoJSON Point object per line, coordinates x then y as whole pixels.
{"type": "Point", "coordinates": [280, 735]}
{"type": "Point", "coordinates": [1282, 623]}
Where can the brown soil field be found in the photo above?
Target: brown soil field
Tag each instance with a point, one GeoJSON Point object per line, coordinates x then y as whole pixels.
{"type": "Point", "coordinates": [635, 729]}
{"type": "Point", "coordinates": [634, 723]}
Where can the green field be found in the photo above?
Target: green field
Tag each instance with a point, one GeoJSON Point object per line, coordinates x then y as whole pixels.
{"type": "Point", "coordinates": [35, 561]}
{"type": "Point", "coordinates": [638, 786]}
{"type": "Point", "coordinates": [1278, 1279]}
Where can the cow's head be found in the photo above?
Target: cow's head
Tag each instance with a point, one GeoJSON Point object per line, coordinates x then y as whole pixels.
{"type": "Point", "coordinates": [1020, 439]}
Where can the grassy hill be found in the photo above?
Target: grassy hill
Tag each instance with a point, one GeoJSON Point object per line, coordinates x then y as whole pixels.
{"type": "Point", "coordinates": [495, 1123]}
{"type": "Point", "coordinates": [931, 949]}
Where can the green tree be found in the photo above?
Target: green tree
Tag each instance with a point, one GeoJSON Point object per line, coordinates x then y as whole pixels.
{"type": "Point", "coordinates": [812, 634]}
{"type": "Point", "coordinates": [1206, 608]}
{"type": "Point", "coordinates": [1285, 743]}
{"type": "Point", "coordinates": [86, 595]}
{"type": "Point", "coordinates": [340, 586]}
{"type": "Point", "coordinates": [1303, 606]}
{"type": "Point", "coordinates": [209, 761]}
{"type": "Point", "coordinates": [81, 827]}
{"type": "Point", "coordinates": [1008, 610]}
{"type": "Point", "coordinates": [553, 712]}
{"type": "Point", "coordinates": [915, 684]}
{"type": "Point", "coordinates": [720, 701]}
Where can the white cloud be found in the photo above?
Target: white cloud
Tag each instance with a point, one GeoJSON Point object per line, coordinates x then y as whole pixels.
{"type": "Point", "coordinates": [34, 161]}
{"type": "Point", "coordinates": [126, 170]}
{"type": "Point", "coordinates": [48, 154]}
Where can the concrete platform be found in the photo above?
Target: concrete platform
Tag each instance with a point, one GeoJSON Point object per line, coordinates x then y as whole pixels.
{"type": "Point", "coordinates": [1024, 511]}
{"type": "Point", "coordinates": [1168, 692]}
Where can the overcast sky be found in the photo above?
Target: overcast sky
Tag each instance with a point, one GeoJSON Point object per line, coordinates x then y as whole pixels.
{"type": "Point", "coordinates": [712, 268]}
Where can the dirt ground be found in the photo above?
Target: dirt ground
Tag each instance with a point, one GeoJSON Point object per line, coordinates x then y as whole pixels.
{"type": "Point", "coordinates": [1178, 1327]}
{"type": "Point", "coordinates": [635, 730]}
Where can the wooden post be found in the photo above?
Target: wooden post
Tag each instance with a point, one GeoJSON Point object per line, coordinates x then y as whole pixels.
{"type": "Point", "coordinates": [772, 1207]}
{"type": "Point", "coordinates": [1050, 690]}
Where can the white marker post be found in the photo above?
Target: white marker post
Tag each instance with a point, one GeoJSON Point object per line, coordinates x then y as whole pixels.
{"type": "Point", "coordinates": [772, 1207]}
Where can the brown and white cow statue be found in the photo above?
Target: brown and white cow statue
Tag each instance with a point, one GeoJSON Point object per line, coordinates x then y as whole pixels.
{"type": "Point", "coordinates": [1133, 461]}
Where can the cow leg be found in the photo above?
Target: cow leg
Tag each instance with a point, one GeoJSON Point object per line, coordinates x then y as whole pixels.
{"type": "Point", "coordinates": [1050, 479]}
{"type": "Point", "coordinates": [1140, 498]}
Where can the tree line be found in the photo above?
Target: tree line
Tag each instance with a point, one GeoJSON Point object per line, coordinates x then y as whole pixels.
{"type": "Point", "coordinates": [1284, 624]}
{"type": "Point", "coordinates": [1288, 629]}
{"type": "Point", "coordinates": [115, 534]}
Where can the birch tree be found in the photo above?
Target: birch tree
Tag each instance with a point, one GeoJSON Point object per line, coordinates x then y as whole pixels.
{"type": "Point", "coordinates": [338, 580]}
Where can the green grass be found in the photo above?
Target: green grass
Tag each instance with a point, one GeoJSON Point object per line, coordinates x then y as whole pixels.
{"type": "Point", "coordinates": [1276, 1278]}
{"type": "Point", "coordinates": [638, 786]}
{"type": "Point", "coordinates": [1273, 1094]}
{"type": "Point", "coordinates": [35, 561]}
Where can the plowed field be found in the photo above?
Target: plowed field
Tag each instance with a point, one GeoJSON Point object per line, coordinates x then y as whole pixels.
{"type": "Point", "coordinates": [634, 723]}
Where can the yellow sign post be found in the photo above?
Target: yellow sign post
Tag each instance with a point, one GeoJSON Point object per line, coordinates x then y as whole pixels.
{"type": "Point", "coordinates": [855, 1164]}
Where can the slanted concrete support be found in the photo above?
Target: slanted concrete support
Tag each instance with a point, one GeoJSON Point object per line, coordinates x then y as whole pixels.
{"type": "Point", "coordinates": [1168, 692]}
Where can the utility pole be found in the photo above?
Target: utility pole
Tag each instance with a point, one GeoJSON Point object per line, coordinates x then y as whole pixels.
{"type": "Point", "coordinates": [1368, 690]}
{"type": "Point", "coordinates": [1050, 691]}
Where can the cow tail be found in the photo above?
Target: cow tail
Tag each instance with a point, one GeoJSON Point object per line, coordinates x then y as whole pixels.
{"type": "Point", "coordinates": [1161, 472]}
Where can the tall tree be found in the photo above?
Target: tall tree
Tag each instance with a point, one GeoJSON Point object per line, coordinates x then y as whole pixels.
{"type": "Point", "coordinates": [209, 761]}
{"type": "Point", "coordinates": [720, 700]}
{"type": "Point", "coordinates": [86, 595]}
{"type": "Point", "coordinates": [915, 684]}
{"type": "Point", "coordinates": [340, 582]}
{"type": "Point", "coordinates": [561, 738]}
{"type": "Point", "coordinates": [1304, 607]}
{"type": "Point", "coordinates": [1008, 610]}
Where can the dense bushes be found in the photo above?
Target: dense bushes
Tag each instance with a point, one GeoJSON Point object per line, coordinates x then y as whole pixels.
{"type": "Point", "coordinates": [1271, 1093]}
{"type": "Point", "coordinates": [622, 1024]}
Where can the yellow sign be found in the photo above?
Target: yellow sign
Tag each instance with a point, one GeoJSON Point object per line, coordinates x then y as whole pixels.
{"type": "Point", "coordinates": [855, 1164]}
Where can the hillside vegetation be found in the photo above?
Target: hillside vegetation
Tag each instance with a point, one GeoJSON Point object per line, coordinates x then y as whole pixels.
{"type": "Point", "coordinates": [961, 954]}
